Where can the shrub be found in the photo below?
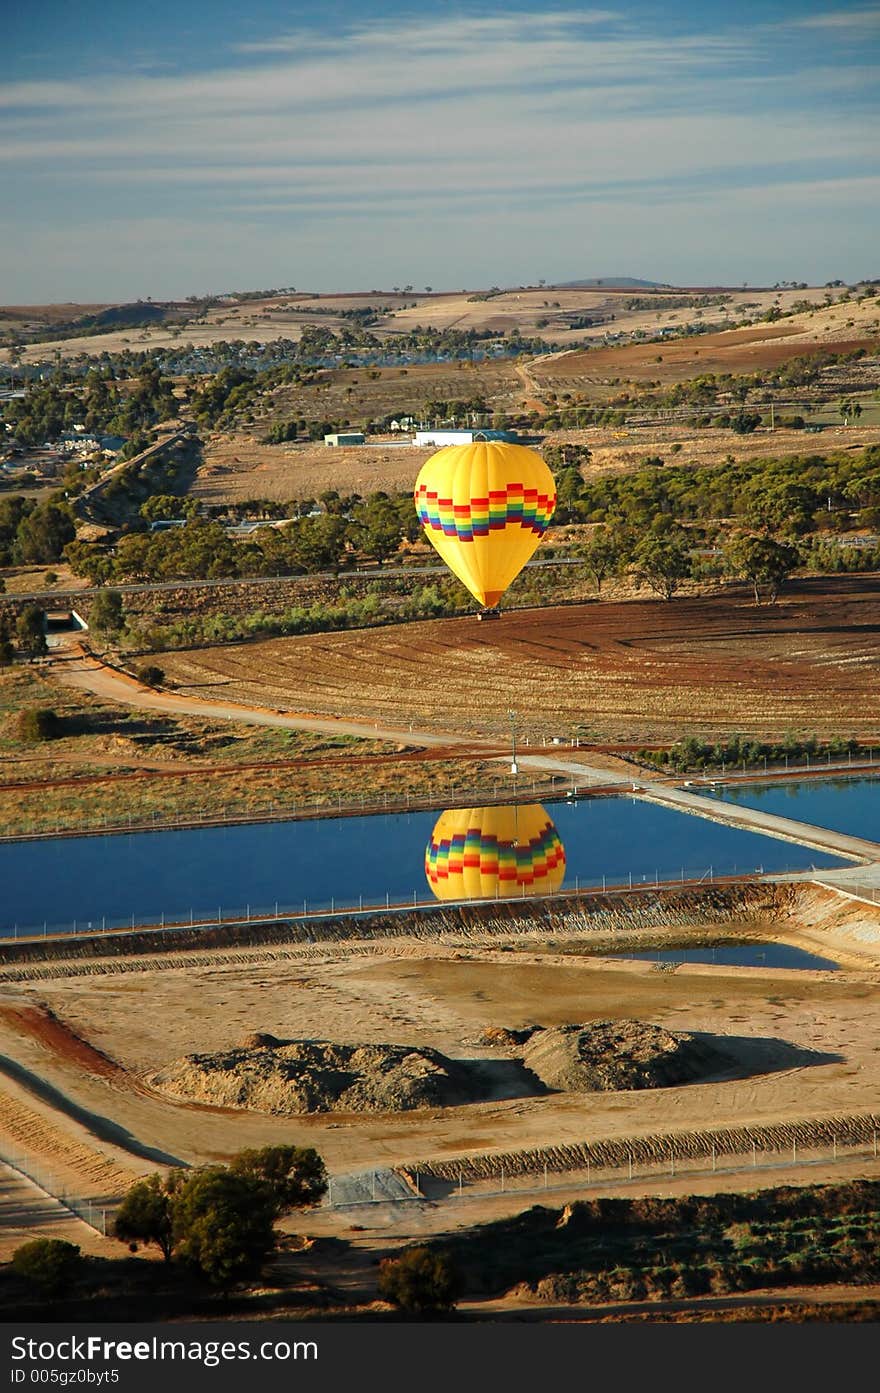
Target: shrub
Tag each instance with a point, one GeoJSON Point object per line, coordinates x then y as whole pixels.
{"type": "Point", "coordinates": [50, 1263]}
{"type": "Point", "coordinates": [150, 675]}
{"type": "Point", "coordinates": [39, 723]}
{"type": "Point", "coordinates": [419, 1281]}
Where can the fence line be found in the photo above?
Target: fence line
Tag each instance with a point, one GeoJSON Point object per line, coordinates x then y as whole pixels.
{"type": "Point", "coordinates": [312, 910]}
{"type": "Point", "coordinates": [90, 1210]}
{"type": "Point", "coordinates": [424, 1183]}
{"type": "Point", "coordinates": [296, 810]}
{"type": "Point", "coordinates": [869, 893]}
{"type": "Point", "coordinates": [522, 790]}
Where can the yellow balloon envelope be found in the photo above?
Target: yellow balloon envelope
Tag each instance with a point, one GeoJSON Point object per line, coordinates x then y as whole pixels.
{"type": "Point", "coordinates": [485, 508]}
{"type": "Point", "coordinates": [484, 853]}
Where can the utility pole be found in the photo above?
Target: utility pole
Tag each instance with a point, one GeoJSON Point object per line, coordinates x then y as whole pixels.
{"type": "Point", "coordinates": [511, 715]}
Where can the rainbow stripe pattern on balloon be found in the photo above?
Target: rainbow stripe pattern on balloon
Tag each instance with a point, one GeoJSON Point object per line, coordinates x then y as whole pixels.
{"type": "Point", "coordinates": [488, 852]}
{"type": "Point", "coordinates": [511, 506]}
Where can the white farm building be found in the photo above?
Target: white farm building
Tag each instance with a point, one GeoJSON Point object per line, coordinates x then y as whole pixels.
{"type": "Point", "coordinates": [439, 438]}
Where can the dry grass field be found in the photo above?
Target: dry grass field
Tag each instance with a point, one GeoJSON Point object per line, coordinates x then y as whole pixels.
{"type": "Point", "coordinates": [111, 762]}
{"type": "Point", "coordinates": [543, 311]}
{"type": "Point", "coordinates": [637, 670]}
{"type": "Point", "coordinates": [235, 467]}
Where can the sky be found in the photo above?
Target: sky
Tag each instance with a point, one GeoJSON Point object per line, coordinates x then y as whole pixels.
{"type": "Point", "coordinates": [202, 146]}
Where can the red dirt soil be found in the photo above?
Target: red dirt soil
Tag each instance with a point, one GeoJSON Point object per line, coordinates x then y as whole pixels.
{"type": "Point", "coordinates": [625, 671]}
{"type": "Point", "coordinates": [43, 1026]}
{"type": "Point", "coordinates": [737, 351]}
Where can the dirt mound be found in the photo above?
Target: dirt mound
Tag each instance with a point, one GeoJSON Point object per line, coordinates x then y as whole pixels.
{"type": "Point", "coordinates": [501, 1035]}
{"type": "Point", "coordinates": [308, 1076]}
{"type": "Point", "coordinates": [259, 1040]}
{"type": "Point", "coordinates": [611, 1055]}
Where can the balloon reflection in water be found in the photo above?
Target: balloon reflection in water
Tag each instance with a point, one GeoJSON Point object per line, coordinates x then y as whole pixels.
{"type": "Point", "coordinates": [484, 853]}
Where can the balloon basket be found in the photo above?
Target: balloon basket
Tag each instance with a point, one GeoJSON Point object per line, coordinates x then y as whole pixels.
{"type": "Point", "coordinates": [492, 612]}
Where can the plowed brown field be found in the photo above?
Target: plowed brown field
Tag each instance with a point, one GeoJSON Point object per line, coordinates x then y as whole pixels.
{"type": "Point", "coordinates": [638, 670]}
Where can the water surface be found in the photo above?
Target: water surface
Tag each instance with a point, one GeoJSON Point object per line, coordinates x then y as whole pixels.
{"type": "Point", "coordinates": [850, 805]}
{"type": "Point", "coordinates": [137, 877]}
{"type": "Point", "coordinates": [737, 955]}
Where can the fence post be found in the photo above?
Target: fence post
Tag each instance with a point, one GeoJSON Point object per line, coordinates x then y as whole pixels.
{"type": "Point", "coordinates": [545, 1175]}
{"type": "Point", "coordinates": [754, 1154]}
{"type": "Point", "coordinates": [630, 1163]}
{"type": "Point", "coordinates": [713, 1157]}
{"type": "Point", "coordinates": [502, 1180]}
{"type": "Point", "coordinates": [794, 1149]}
{"type": "Point", "coordinates": [460, 1181]}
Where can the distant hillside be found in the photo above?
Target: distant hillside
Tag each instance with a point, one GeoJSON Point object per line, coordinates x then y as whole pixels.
{"type": "Point", "coordinates": [123, 317]}
{"type": "Point", "coordinates": [614, 283]}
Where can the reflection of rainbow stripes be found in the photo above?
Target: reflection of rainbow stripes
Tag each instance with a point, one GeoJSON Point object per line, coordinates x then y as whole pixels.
{"type": "Point", "coordinates": [501, 508]}
{"type": "Point", "coordinates": [520, 863]}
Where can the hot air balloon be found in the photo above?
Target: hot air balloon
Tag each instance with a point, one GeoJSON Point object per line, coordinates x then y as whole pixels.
{"type": "Point", "coordinates": [485, 853]}
{"type": "Point", "coordinates": [485, 508]}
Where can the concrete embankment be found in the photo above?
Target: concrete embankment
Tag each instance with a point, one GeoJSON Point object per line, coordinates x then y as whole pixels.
{"type": "Point", "coordinates": [575, 916]}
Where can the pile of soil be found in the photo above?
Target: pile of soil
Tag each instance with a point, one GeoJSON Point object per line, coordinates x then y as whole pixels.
{"type": "Point", "coordinates": [287, 1077]}
{"type": "Point", "coordinates": [612, 1055]}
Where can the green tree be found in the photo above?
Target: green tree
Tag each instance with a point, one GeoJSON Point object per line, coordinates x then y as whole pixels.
{"type": "Point", "coordinates": [30, 631]}
{"type": "Point", "coordinates": [745, 422]}
{"type": "Point", "coordinates": [223, 1224]}
{"type": "Point", "coordinates": [145, 1216]}
{"type": "Point", "coordinates": [378, 527]}
{"type": "Point", "coordinates": [420, 1281]}
{"type": "Point", "coordinates": [107, 615]}
{"type": "Point", "coordinates": [163, 507]}
{"type": "Point", "coordinates": [602, 555]}
{"type": "Point", "coordinates": [762, 561]}
{"type": "Point", "coordinates": [42, 535]}
{"type": "Point", "coordinates": [662, 561]}
{"type": "Point", "coordinates": [50, 1263]}
{"type": "Point", "coordinates": [295, 1175]}
{"type": "Point", "coordinates": [7, 648]}
{"type": "Point", "coordinates": [318, 544]}
{"type": "Point", "coordinates": [783, 506]}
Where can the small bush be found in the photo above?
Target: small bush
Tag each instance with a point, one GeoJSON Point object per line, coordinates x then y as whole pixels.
{"type": "Point", "coordinates": [419, 1281]}
{"type": "Point", "coordinates": [39, 723]}
{"type": "Point", "coordinates": [50, 1263]}
{"type": "Point", "coordinates": [150, 675]}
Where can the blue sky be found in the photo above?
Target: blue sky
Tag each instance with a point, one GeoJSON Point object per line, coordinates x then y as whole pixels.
{"type": "Point", "coordinates": [175, 148]}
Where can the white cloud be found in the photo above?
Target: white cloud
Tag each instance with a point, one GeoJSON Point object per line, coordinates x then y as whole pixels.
{"type": "Point", "coordinates": [507, 122]}
{"type": "Point", "coordinates": [853, 20]}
